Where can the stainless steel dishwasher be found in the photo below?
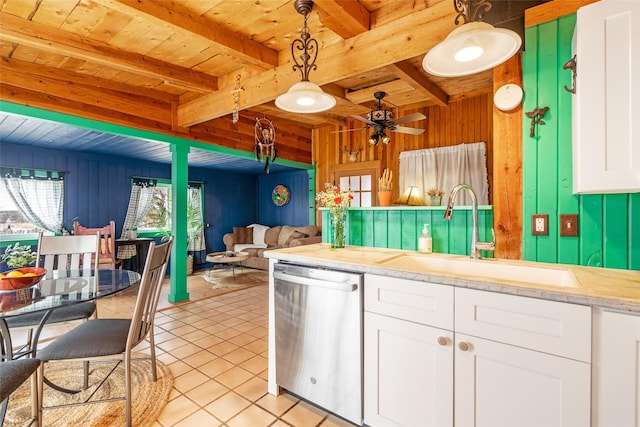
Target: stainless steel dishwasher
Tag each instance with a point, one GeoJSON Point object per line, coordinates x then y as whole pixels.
{"type": "Point", "coordinates": [318, 329]}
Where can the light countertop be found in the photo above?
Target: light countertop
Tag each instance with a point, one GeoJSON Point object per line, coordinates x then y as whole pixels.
{"type": "Point", "coordinates": [593, 286]}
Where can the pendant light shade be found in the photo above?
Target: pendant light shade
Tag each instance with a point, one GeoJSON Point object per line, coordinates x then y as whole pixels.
{"type": "Point", "coordinates": [305, 97]}
{"type": "Point", "coordinates": [471, 48]}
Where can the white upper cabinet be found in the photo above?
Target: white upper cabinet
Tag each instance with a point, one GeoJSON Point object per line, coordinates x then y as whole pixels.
{"type": "Point", "coordinates": [606, 106]}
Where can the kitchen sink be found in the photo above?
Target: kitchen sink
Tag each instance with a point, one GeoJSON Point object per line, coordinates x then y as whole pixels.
{"type": "Point", "coordinates": [487, 269]}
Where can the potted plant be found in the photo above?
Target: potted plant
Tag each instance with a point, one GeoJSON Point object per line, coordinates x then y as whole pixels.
{"type": "Point", "coordinates": [384, 187]}
{"type": "Point", "coordinates": [435, 196]}
{"type": "Point", "coordinates": [17, 256]}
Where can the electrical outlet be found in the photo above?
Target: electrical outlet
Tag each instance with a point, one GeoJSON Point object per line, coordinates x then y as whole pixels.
{"type": "Point", "coordinates": [540, 224]}
{"type": "Point", "coordinates": [569, 225]}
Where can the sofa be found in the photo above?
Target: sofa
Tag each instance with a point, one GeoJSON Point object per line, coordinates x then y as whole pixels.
{"type": "Point", "coordinates": [255, 239]}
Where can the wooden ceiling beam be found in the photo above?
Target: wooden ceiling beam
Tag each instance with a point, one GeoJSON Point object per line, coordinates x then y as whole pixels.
{"type": "Point", "coordinates": [406, 71]}
{"type": "Point", "coordinates": [416, 33]}
{"type": "Point", "coordinates": [243, 47]}
{"type": "Point", "coordinates": [39, 36]}
{"type": "Point", "coordinates": [65, 76]}
{"type": "Point", "coordinates": [347, 18]}
{"type": "Point", "coordinates": [99, 97]}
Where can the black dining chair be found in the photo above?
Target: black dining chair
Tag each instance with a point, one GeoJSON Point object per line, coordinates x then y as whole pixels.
{"type": "Point", "coordinates": [114, 339]}
{"type": "Point", "coordinates": [60, 252]}
{"type": "Point", "coordinates": [13, 373]}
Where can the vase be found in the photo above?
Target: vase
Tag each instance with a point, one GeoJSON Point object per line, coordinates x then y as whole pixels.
{"type": "Point", "coordinates": [436, 200]}
{"type": "Point", "coordinates": [384, 198]}
{"type": "Point", "coordinates": [338, 231]}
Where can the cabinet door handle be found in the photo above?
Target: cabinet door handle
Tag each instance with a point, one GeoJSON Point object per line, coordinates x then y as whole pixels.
{"type": "Point", "coordinates": [443, 341]}
{"type": "Point", "coordinates": [464, 346]}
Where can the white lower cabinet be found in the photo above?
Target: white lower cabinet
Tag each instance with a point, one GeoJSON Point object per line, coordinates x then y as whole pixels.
{"type": "Point", "coordinates": [516, 361]}
{"type": "Point", "coordinates": [616, 369]}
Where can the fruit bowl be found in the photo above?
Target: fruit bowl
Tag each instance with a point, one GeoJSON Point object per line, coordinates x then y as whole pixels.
{"type": "Point", "coordinates": [21, 278]}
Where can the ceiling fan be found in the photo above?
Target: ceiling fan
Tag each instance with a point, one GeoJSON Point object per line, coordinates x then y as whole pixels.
{"type": "Point", "coordinates": [380, 120]}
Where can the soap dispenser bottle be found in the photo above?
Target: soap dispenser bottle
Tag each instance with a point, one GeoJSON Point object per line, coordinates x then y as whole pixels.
{"type": "Point", "coordinates": [425, 241]}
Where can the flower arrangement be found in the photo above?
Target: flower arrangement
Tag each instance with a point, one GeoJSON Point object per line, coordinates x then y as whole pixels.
{"type": "Point", "coordinates": [337, 201]}
{"type": "Point", "coordinates": [17, 256]}
{"type": "Point", "coordinates": [435, 192]}
{"type": "Point", "coordinates": [334, 198]}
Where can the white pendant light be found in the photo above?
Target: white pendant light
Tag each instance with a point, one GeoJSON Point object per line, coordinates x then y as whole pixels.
{"type": "Point", "coordinates": [305, 96]}
{"type": "Point", "coordinates": [471, 48]}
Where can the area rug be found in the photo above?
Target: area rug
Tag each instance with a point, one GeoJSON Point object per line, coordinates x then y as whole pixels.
{"type": "Point", "coordinates": [149, 397]}
{"type": "Point", "coordinates": [208, 284]}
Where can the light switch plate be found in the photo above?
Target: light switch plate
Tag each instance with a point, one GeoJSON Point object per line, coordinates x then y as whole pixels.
{"type": "Point", "coordinates": [540, 224]}
{"type": "Point", "coordinates": [569, 225]}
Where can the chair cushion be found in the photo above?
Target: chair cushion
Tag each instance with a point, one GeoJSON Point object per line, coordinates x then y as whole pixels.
{"type": "Point", "coordinates": [93, 338]}
{"type": "Point", "coordinates": [79, 311]}
{"type": "Point", "coordinates": [13, 373]}
{"type": "Point", "coordinates": [242, 235]}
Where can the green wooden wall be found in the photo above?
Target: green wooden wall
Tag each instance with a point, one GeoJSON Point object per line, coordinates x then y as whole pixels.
{"type": "Point", "coordinates": [609, 225]}
{"type": "Point", "coordinates": [399, 227]}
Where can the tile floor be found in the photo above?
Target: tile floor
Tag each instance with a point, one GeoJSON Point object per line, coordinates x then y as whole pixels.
{"type": "Point", "coordinates": [216, 349]}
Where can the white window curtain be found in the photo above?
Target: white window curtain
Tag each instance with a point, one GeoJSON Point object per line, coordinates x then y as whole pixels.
{"type": "Point", "coordinates": [139, 203]}
{"type": "Point", "coordinates": [39, 199]}
{"type": "Point", "coordinates": [446, 167]}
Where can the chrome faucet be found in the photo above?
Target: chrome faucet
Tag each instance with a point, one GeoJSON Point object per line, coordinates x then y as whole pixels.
{"type": "Point", "coordinates": [476, 244]}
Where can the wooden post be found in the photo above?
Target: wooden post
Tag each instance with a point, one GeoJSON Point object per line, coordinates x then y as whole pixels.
{"type": "Point", "coordinates": [507, 166]}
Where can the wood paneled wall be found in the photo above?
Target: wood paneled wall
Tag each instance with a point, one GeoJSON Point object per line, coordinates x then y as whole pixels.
{"type": "Point", "coordinates": [462, 121]}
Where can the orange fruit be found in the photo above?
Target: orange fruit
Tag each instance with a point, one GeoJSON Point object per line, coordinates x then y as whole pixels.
{"type": "Point", "coordinates": [15, 273]}
{"type": "Point", "coordinates": [28, 274]}
{"type": "Point", "coordinates": [2, 275]}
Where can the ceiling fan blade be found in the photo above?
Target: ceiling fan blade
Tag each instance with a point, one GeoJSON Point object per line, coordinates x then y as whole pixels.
{"type": "Point", "coordinates": [404, 129]}
{"type": "Point", "coordinates": [348, 130]}
{"type": "Point", "coordinates": [410, 118]}
{"type": "Point", "coordinates": [362, 119]}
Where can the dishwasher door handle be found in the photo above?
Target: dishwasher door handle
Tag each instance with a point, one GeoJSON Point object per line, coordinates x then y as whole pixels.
{"type": "Point", "coordinates": [307, 281]}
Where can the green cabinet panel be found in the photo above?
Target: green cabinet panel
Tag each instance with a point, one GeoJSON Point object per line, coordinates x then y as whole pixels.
{"type": "Point", "coordinates": [399, 227]}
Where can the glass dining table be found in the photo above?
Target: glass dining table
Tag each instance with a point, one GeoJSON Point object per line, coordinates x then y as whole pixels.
{"type": "Point", "coordinates": [58, 288]}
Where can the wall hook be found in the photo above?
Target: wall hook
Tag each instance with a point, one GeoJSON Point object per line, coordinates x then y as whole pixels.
{"type": "Point", "coordinates": [571, 64]}
{"type": "Point", "coordinates": [536, 117]}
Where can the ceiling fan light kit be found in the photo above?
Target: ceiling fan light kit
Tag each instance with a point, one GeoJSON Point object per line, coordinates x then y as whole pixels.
{"type": "Point", "coordinates": [305, 96]}
{"type": "Point", "coordinates": [473, 47]}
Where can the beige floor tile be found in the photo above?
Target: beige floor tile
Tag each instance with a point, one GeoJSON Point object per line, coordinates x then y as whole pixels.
{"type": "Point", "coordinates": [216, 367]}
{"type": "Point", "coordinates": [238, 356]}
{"type": "Point", "coordinates": [234, 377]}
{"type": "Point", "coordinates": [178, 368]}
{"type": "Point", "coordinates": [177, 410]}
{"type": "Point", "coordinates": [304, 415]}
{"type": "Point", "coordinates": [189, 380]}
{"type": "Point", "coordinates": [206, 392]}
{"type": "Point", "coordinates": [208, 341]}
{"type": "Point", "coordinates": [200, 418]}
{"type": "Point", "coordinates": [277, 405]}
{"type": "Point", "coordinates": [222, 348]}
{"type": "Point", "coordinates": [186, 350]}
{"type": "Point", "coordinates": [228, 333]}
{"type": "Point", "coordinates": [253, 389]}
{"type": "Point", "coordinates": [172, 344]}
{"type": "Point", "coordinates": [253, 416]}
{"type": "Point", "coordinates": [183, 330]}
{"type": "Point", "coordinates": [199, 358]}
{"type": "Point", "coordinates": [255, 365]}
{"type": "Point", "coordinates": [257, 346]}
{"type": "Point", "coordinates": [227, 406]}
{"type": "Point", "coordinates": [333, 421]}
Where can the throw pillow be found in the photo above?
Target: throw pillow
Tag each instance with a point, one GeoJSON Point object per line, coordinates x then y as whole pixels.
{"type": "Point", "coordinates": [258, 233]}
{"type": "Point", "coordinates": [271, 236]}
{"type": "Point", "coordinates": [242, 235]}
{"type": "Point", "coordinates": [308, 230]}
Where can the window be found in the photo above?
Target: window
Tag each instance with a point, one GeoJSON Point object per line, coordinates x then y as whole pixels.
{"type": "Point", "coordinates": [11, 219]}
{"type": "Point", "coordinates": [360, 182]}
{"type": "Point", "coordinates": [158, 217]}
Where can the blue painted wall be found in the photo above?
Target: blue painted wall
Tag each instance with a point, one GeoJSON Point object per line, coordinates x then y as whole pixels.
{"type": "Point", "coordinates": [97, 189]}
{"type": "Point", "coordinates": [296, 211]}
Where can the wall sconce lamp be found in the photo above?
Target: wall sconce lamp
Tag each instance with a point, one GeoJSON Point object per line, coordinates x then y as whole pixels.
{"type": "Point", "coordinates": [474, 46]}
{"type": "Point", "coordinates": [305, 96]}
{"type": "Point", "coordinates": [411, 196]}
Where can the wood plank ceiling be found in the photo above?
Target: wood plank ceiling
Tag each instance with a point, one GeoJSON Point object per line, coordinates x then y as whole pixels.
{"type": "Point", "coordinates": [172, 65]}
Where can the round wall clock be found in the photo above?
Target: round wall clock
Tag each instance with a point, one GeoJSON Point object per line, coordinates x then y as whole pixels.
{"type": "Point", "coordinates": [280, 195]}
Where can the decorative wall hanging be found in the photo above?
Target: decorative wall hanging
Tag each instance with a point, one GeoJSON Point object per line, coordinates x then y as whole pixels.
{"type": "Point", "coordinates": [536, 117]}
{"type": "Point", "coordinates": [280, 195]}
{"type": "Point", "coordinates": [572, 65]}
{"type": "Point", "coordinates": [236, 99]}
{"type": "Point", "coordinates": [353, 155]}
{"type": "Point", "coordinates": [265, 149]}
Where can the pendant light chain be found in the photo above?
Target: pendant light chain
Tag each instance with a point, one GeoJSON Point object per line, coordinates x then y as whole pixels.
{"type": "Point", "coordinates": [306, 44]}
